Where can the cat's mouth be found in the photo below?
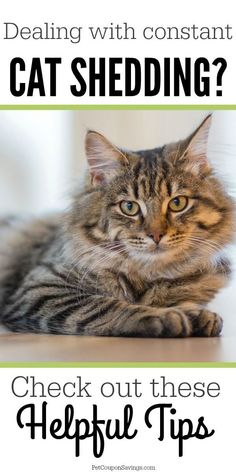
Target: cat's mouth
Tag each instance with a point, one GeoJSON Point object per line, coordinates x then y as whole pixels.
{"type": "Point", "coordinates": [153, 250]}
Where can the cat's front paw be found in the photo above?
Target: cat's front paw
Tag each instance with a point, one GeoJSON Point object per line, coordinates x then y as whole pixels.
{"type": "Point", "coordinates": [176, 323]}
{"type": "Point", "coordinates": [172, 323]}
{"type": "Point", "coordinates": [206, 323]}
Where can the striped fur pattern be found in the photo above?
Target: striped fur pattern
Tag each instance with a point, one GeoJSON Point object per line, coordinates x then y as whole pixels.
{"type": "Point", "coordinates": [98, 271]}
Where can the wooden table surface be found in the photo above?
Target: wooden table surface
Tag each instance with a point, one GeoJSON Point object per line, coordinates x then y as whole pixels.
{"type": "Point", "coordinates": [39, 348]}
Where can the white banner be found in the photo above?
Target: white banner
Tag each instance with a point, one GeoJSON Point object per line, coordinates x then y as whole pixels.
{"type": "Point", "coordinates": [117, 53]}
{"type": "Point", "coordinates": [117, 419]}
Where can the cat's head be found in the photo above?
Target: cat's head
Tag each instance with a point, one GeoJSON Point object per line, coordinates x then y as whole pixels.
{"type": "Point", "coordinates": [161, 205]}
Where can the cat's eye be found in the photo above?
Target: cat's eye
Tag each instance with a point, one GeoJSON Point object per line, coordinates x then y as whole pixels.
{"type": "Point", "coordinates": [178, 203]}
{"type": "Point", "coordinates": [129, 208]}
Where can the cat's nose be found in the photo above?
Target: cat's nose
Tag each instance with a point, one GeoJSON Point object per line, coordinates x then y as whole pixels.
{"type": "Point", "coordinates": [156, 236]}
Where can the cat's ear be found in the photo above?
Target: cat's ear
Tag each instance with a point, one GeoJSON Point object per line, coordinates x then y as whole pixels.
{"type": "Point", "coordinates": [195, 154]}
{"type": "Point", "coordinates": [104, 159]}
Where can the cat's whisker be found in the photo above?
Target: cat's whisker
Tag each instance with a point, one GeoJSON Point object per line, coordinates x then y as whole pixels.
{"type": "Point", "coordinates": [200, 238]}
{"type": "Point", "coordinates": [208, 251]}
{"type": "Point", "coordinates": [83, 265]}
{"type": "Point", "coordinates": [212, 244]}
{"type": "Point", "coordinates": [89, 253]}
{"type": "Point", "coordinates": [99, 261]}
{"type": "Point", "coordinates": [92, 270]}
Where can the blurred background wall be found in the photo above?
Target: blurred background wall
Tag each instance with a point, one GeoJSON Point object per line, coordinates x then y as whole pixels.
{"type": "Point", "coordinates": [42, 152]}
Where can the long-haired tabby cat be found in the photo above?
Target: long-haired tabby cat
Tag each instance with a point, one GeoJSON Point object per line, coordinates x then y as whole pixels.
{"type": "Point", "coordinates": [138, 254]}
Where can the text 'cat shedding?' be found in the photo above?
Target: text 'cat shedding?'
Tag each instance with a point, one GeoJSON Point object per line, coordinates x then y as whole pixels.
{"type": "Point", "coordinates": [118, 77]}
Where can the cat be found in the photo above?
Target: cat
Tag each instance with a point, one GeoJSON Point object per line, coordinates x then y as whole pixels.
{"type": "Point", "coordinates": [139, 253]}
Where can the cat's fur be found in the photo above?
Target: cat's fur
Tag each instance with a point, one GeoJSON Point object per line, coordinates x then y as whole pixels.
{"type": "Point", "coordinates": [96, 271]}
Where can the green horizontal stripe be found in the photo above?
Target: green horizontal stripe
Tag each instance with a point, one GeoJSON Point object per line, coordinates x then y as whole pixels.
{"type": "Point", "coordinates": [119, 364]}
{"type": "Point", "coordinates": [117, 107]}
